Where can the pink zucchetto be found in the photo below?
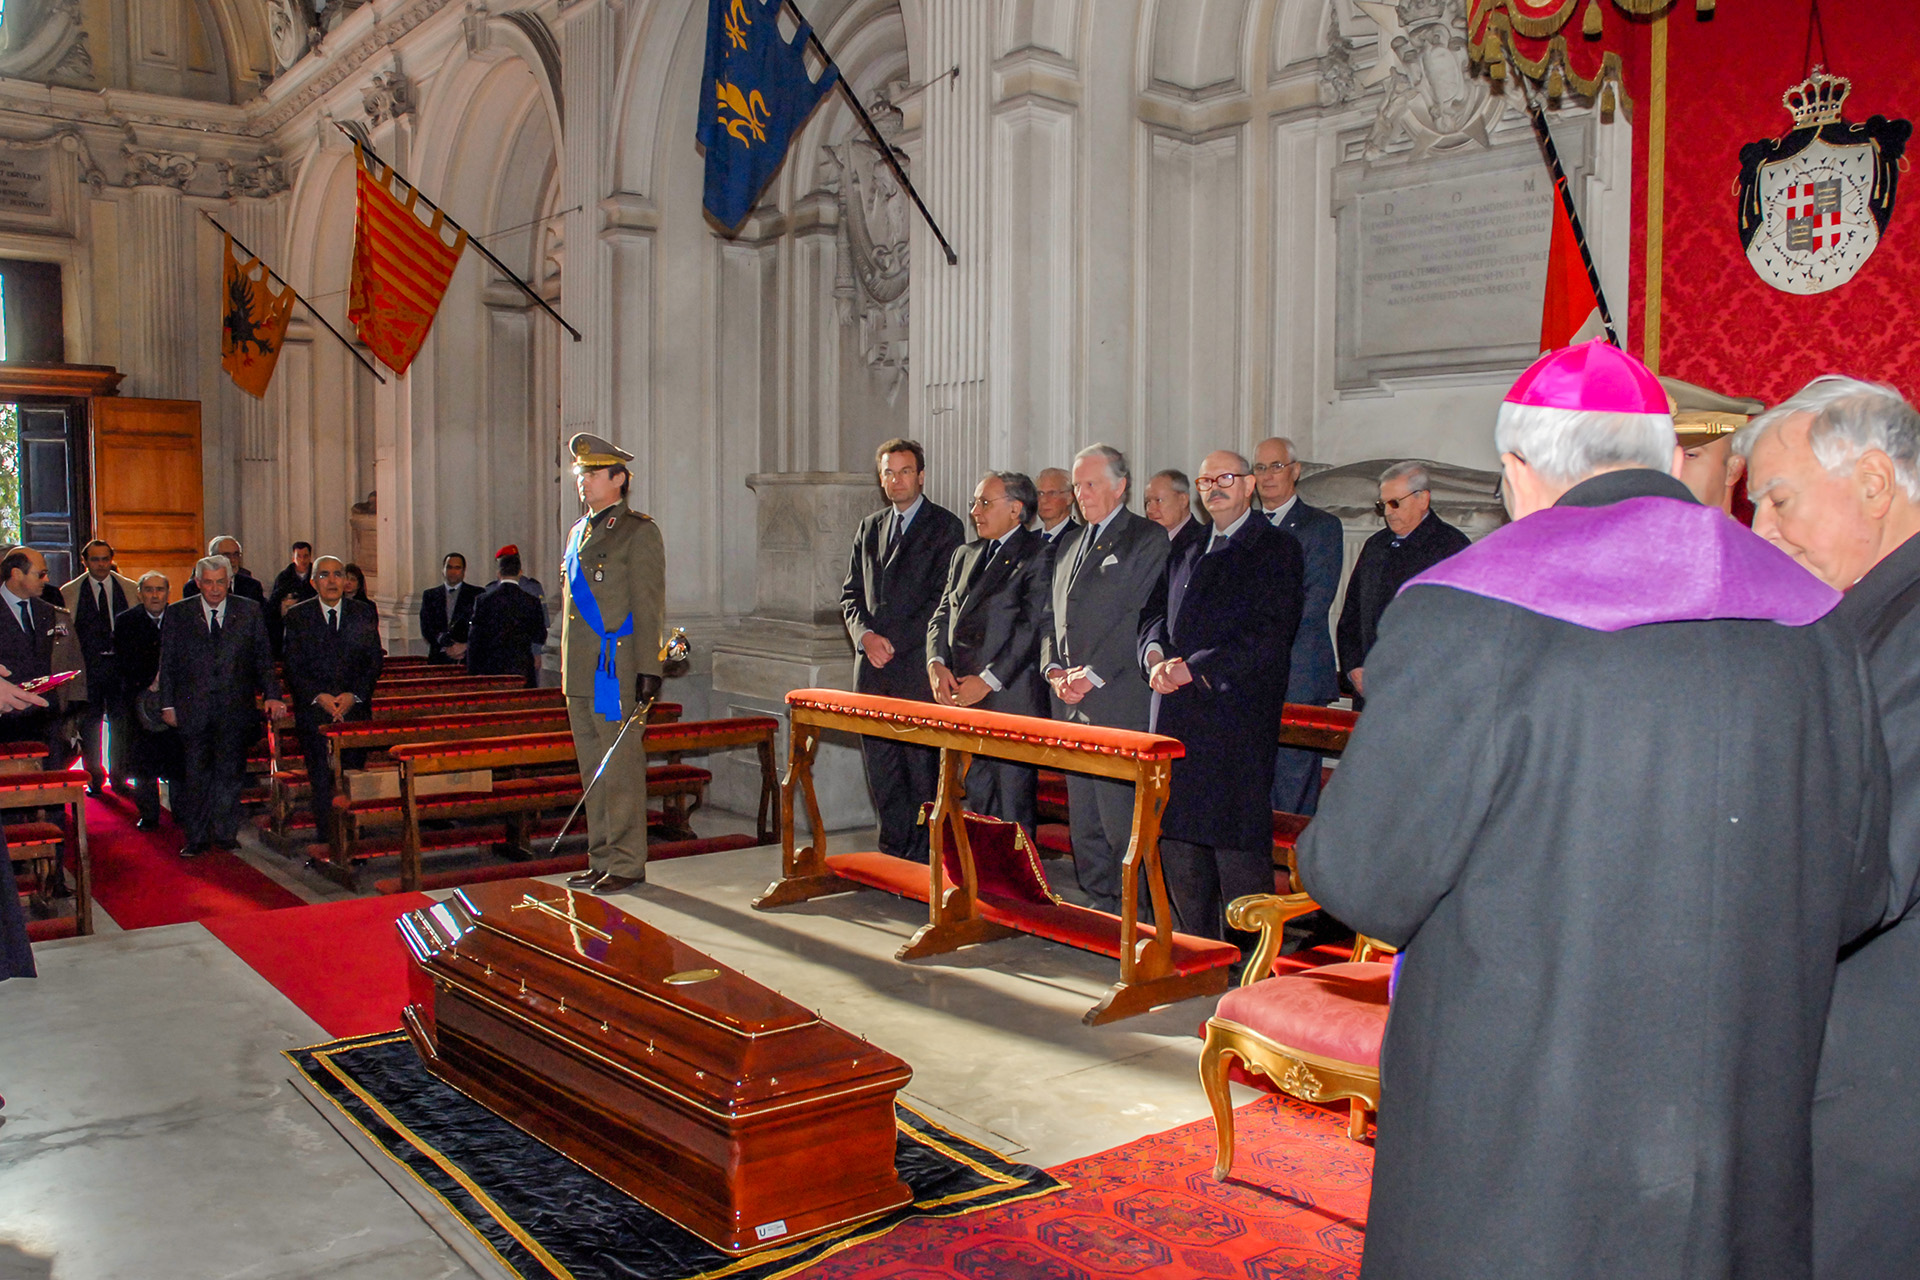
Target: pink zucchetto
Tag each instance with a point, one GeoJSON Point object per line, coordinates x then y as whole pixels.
{"type": "Point", "coordinates": [1595, 377]}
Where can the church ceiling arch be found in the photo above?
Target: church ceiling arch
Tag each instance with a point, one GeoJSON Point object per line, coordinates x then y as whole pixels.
{"type": "Point", "coordinates": [1050, 26]}
{"type": "Point", "coordinates": [1197, 48]}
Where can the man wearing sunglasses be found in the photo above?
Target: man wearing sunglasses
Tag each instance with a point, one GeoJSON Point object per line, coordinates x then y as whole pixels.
{"type": "Point", "coordinates": [1414, 540]}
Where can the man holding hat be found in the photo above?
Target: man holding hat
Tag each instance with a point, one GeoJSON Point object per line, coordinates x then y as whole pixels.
{"type": "Point", "coordinates": [615, 588]}
{"type": "Point", "coordinates": [1619, 915]}
{"type": "Point", "coordinates": [509, 625]}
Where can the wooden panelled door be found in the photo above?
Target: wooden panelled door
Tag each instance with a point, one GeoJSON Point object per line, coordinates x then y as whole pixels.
{"type": "Point", "coordinates": [146, 485]}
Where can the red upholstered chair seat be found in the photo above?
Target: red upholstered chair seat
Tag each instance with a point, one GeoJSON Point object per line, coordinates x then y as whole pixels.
{"type": "Point", "coordinates": [1335, 1011]}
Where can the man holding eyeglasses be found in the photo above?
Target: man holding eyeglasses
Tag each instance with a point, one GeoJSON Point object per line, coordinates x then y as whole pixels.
{"type": "Point", "coordinates": [1310, 676]}
{"type": "Point", "coordinates": [1214, 642]}
{"type": "Point", "coordinates": [894, 578]}
{"type": "Point", "coordinates": [983, 644]}
{"type": "Point", "coordinates": [1103, 572]}
{"type": "Point", "coordinates": [1414, 541]}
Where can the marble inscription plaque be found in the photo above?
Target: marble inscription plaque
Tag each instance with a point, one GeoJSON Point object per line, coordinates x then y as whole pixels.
{"type": "Point", "coordinates": [1437, 254]}
{"type": "Point", "coordinates": [24, 181]}
{"type": "Point", "coordinates": [1442, 263]}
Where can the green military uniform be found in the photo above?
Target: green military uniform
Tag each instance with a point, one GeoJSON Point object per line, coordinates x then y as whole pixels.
{"type": "Point", "coordinates": [622, 563]}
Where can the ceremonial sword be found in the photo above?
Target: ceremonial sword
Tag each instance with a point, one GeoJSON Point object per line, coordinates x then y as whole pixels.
{"type": "Point", "coordinates": [673, 653]}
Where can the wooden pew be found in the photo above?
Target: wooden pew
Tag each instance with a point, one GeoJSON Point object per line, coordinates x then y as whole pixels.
{"type": "Point", "coordinates": [55, 853]}
{"type": "Point", "coordinates": [1156, 967]}
{"type": "Point", "coordinates": [541, 754]}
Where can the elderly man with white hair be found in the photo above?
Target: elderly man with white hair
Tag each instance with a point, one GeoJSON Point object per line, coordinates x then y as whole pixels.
{"type": "Point", "coordinates": [1620, 803]}
{"type": "Point", "coordinates": [1835, 477]}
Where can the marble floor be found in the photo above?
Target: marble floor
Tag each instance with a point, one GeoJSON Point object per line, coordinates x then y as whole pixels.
{"type": "Point", "coordinates": [151, 1131]}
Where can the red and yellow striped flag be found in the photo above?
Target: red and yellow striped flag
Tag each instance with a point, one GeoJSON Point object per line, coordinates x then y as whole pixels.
{"type": "Point", "coordinates": [401, 266]}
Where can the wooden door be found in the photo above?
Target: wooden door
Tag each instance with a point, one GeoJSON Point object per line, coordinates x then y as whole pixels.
{"type": "Point", "coordinates": [146, 485]}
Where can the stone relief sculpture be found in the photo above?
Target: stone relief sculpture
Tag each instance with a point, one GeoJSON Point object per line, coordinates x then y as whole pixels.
{"type": "Point", "coordinates": [874, 260]}
{"type": "Point", "coordinates": [289, 30]}
{"type": "Point", "coordinates": [44, 40]}
{"type": "Point", "coordinates": [153, 167]}
{"type": "Point", "coordinates": [257, 178]}
{"type": "Point", "coordinates": [1430, 98]}
{"type": "Point", "coordinates": [388, 97]}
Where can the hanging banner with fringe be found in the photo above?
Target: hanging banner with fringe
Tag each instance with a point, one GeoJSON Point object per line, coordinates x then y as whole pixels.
{"type": "Point", "coordinates": [401, 265]}
{"type": "Point", "coordinates": [1533, 35]}
{"type": "Point", "coordinates": [254, 325]}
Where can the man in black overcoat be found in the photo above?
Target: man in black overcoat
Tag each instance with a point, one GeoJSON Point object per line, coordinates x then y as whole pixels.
{"type": "Point", "coordinates": [214, 661]}
{"type": "Point", "coordinates": [983, 643]}
{"type": "Point", "coordinates": [508, 628]}
{"type": "Point", "coordinates": [446, 611]}
{"type": "Point", "coordinates": [1214, 641]}
{"type": "Point", "coordinates": [894, 577]}
{"type": "Point", "coordinates": [150, 755]}
{"type": "Point", "coordinates": [290, 586]}
{"type": "Point", "coordinates": [1619, 909]}
{"type": "Point", "coordinates": [333, 661]}
{"type": "Point", "coordinates": [1856, 529]}
{"type": "Point", "coordinates": [1414, 541]}
{"type": "Point", "coordinates": [1103, 572]}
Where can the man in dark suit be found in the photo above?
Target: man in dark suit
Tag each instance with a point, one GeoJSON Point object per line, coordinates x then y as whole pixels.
{"type": "Point", "coordinates": [1053, 509]}
{"type": "Point", "coordinates": [1310, 674]}
{"type": "Point", "coordinates": [446, 611]}
{"type": "Point", "coordinates": [1414, 541]}
{"type": "Point", "coordinates": [292, 585]}
{"type": "Point", "coordinates": [1103, 572]}
{"type": "Point", "coordinates": [244, 584]}
{"type": "Point", "coordinates": [894, 576]}
{"type": "Point", "coordinates": [150, 756]}
{"type": "Point", "coordinates": [35, 646]}
{"type": "Point", "coordinates": [95, 599]}
{"type": "Point", "coordinates": [1214, 642]}
{"type": "Point", "coordinates": [983, 644]}
{"type": "Point", "coordinates": [214, 660]}
{"type": "Point", "coordinates": [333, 661]}
{"type": "Point", "coordinates": [1170, 505]}
{"type": "Point", "coordinates": [508, 625]}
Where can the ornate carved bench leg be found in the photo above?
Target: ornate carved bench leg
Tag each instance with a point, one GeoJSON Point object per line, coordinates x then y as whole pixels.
{"type": "Point", "coordinates": [1125, 999]}
{"type": "Point", "coordinates": [804, 872]}
{"type": "Point", "coordinates": [938, 939]}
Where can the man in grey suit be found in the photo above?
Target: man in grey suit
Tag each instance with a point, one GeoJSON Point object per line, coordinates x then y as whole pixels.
{"type": "Point", "coordinates": [1103, 572]}
{"type": "Point", "coordinates": [1310, 676]}
{"type": "Point", "coordinates": [214, 658]}
{"type": "Point", "coordinates": [983, 644]}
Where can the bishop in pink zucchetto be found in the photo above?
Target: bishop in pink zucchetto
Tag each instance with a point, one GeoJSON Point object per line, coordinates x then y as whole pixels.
{"type": "Point", "coordinates": [1620, 802]}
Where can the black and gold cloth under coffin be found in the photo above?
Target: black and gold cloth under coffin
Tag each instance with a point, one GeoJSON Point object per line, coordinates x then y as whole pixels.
{"type": "Point", "coordinates": [543, 1217]}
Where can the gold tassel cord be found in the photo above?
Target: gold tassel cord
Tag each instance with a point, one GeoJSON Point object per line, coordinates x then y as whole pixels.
{"type": "Point", "coordinates": [1590, 24]}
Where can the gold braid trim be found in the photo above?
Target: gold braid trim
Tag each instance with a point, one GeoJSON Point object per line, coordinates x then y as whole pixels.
{"type": "Point", "coordinates": [1554, 72]}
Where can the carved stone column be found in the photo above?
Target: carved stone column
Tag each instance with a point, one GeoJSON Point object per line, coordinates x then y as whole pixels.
{"type": "Point", "coordinates": [588, 44]}
{"type": "Point", "coordinates": [795, 638]}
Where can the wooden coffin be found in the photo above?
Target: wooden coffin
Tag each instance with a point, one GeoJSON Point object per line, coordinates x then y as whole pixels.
{"type": "Point", "coordinates": [727, 1107]}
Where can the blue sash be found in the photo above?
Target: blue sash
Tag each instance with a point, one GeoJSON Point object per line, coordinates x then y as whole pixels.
{"type": "Point", "coordinates": [606, 675]}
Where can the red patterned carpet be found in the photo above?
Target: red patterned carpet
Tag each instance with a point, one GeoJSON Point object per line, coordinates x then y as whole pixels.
{"type": "Point", "coordinates": [141, 880]}
{"type": "Point", "coordinates": [1295, 1207]}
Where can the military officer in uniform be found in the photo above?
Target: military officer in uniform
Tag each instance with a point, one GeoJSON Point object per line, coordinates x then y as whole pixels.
{"type": "Point", "coordinates": [614, 585]}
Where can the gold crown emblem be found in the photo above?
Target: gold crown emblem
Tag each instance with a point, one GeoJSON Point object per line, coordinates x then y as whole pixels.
{"type": "Point", "coordinates": [1818, 99]}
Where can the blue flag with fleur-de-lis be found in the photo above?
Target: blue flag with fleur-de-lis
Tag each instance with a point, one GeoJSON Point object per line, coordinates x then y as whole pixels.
{"type": "Point", "coordinates": [754, 98]}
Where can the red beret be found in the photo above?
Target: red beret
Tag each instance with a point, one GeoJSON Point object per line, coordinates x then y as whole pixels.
{"type": "Point", "coordinates": [509, 550]}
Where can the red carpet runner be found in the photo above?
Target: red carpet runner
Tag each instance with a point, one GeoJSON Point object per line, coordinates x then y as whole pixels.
{"type": "Point", "coordinates": [1295, 1208]}
{"type": "Point", "coordinates": [141, 880]}
{"type": "Point", "coordinates": [341, 962]}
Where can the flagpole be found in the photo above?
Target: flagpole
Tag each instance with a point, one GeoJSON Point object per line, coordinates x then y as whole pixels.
{"type": "Point", "coordinates": [873, 133]}
{"type": "Point", "coordinates": [472, 240]}
{"type": "Point", "coordinates": [1565, 195]}
{"type": "Point", "coordinates": [297, 298]}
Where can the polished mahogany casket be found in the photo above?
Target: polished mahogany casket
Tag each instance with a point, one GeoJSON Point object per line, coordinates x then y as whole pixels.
{"type": "Point", "coordinates": [725, 1106]}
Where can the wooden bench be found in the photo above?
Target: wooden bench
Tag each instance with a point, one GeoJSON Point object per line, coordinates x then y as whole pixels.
{"type": "Point", "coordinates": [1322, 729]}
{"type": "Point", "coordinates": [1156, 967]}
{"type": "Point", "coordinates": [51, 852]}
{"type": "Point", "coordinates": [23, 757]}
{"type": "Point", "coordinates": [521, 798]}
